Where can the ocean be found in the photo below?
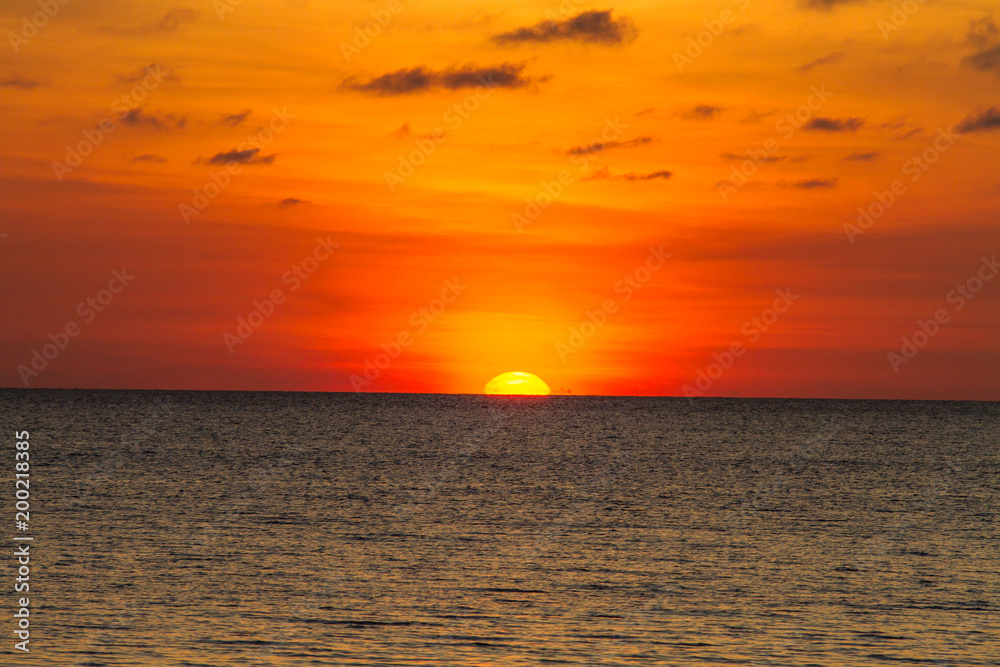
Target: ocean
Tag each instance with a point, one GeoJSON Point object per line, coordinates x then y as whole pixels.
{"type": "Point", "coordinates": [274, 528]}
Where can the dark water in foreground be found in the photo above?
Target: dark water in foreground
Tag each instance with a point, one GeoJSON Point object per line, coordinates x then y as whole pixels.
{"type": "Point", "coordinates": [187, 528]}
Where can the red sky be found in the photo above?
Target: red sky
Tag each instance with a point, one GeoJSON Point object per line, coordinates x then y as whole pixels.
{"type": "Point", "coordinates": [407, 165]}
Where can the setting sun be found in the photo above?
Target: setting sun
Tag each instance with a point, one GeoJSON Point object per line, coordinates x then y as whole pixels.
{"type": "Point", "coordinates": [517, 384]}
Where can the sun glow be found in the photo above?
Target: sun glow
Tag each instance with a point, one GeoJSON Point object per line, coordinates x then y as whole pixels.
{"type": "Point", "coordinates": [517, 384]}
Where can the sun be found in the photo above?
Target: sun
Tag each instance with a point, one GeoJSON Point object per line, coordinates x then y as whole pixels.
{"type": "Point", "coordinates": [517, 384]}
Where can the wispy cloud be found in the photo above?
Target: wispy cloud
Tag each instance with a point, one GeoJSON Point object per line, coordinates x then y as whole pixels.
{"type": "Point", "coordinates": [139, 118]}
{"type": "Point", "coordinates": [234, 119]}
{"type": "Point", "coordinates": [825, 60]}
{"type": "Point", "coordinates": [826, 4]}
{"type": "Point", "coordinates": [985, 36]}
{"type": "Point", "coordinates": [599, 146]}
{"type": "Point", "coordinates": [150, 158]}
{"type": "Point", "coordinates": [736, 156]}
{"type": "Point", "coordinates": [248, 156]}
{"type": "Point", "coordinates": [835, 124]}
{"type": "Point", "coordinates": [170, 22]}
{"type": "Point", "coordinates": [421, 79]}
{"type": "Point", "coordinates": [811, 184]}
{"type": "Point", "coordinates": [605, 174]}
{"type": "Point", "coordinates": [862, 157]}
{"type": "Point", "coordinates": [289, 202]}
{"type": "Point", "coordinates": [158, 71]}
{"type": "Point", "coordinates": [988, 119]}
{"type": "Point", "coordinates": [590, 26]}
{"type": "Point", "coordinates": [18, 82]}
{"type": "Point", "coordinates": [702, 112]}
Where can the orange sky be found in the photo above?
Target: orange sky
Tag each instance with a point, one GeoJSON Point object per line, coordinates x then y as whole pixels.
{"type": "Point", "coordinates": [421, 184]}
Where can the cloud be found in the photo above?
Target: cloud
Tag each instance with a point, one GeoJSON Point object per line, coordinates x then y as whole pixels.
{"type": "Point", "coordinates": [985, 37]}
{"type": "Point", "coordinates": [835, 124]}
{"type": "Point", "coordinates": [158, 71]}
{"type": "Point", "coordinates": [702, 112]}
{"type": "Point", "coordinates": [590, 26]}
{"type": "Point", "coordinates": [862, 157]}
{"type": "Point", "coordinates": [138, 118]}
{"type": "Point", "coordinates": [234, 119]}
{"type": "Point", "coordinates": [421, 79]}
{"type": "Point", "coordinates": [757, 116]}
{"type": "Point", "coordinates": [599, 146]}
{"type": "Point", "coordinates": [605, 174]}
{"type": "Point", "coordinates": [987, 60]}
{"type": "Point", "coordinates": [825, 4]}
{"type": "Point", "coordinates": [18, 82]}
{"type": "Point", "coordinates": [401, 132]}
{"type": "Point", "coordinates": [980, 122]}
{"type": "Point", "coordinates": [289, 202]}
{"type": "Point", "coordinates": [170, 22]}
{"type": "Point", "coordinates": [734, 156]}
{"type": "Point", "coordinates": [825, 60]}
{"type": "Point", "coordinates": [983, 32]}
{"type": "Point", "coordinates": [149, 157]}
{"type": "Point", "coordinates": [811, 184]}
{"type": "Point", "coordinates": [248, 156]}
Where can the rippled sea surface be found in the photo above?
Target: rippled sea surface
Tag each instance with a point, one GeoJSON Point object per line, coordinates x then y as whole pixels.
{"type": "Point", "coordinates": [217, 528]}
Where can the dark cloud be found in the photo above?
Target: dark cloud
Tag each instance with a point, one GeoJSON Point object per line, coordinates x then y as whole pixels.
{"type": "Point", "coordinates": [248, 156]}
{"type": "Point", "coordinates": [811, 184]}
{"type": "Point", "coordinates": [590, 26]}
{"type": "Point", "coordinates": [980, 122]}
{"type": "Point", "coordinates": [138, 118]}
{"type": "Point", "coordinates": [734, 156]}
{"type": "Point", "coordinates": [985, 37]}
{"type": "Point", "coordinates": [149, 157]}
{"type": "Point", "coordinates": [421, 79]}
{"type": "Point", "coordinates": [157, 71]}
{"type": "Point", "coordinates": [599, 146]}
{"type": "Point", "coordinates": [987, 60]}
{"type": "Point", "coordinates": [983, 32]}
{"type": "Point", "coordinates": [702, 112]}
{"type": "Point", "coordinates": [835, 124]}
{"type": "Point", "coordinates": [826, 4]}
{"type": "Point", "coordinates": [862, 157]}
{"type": "Point", "coordinates": [825, 60]}
{"type": "Point", "coordinates": [170, 22]}
{"type": "Point", "coordinates": [289, 202]}
{"type": "Point", "coordinates": [605, 174]}
{"type": "Point", "coordinates": [18, 82]}
{"type": "Point", "coordinates": [234, 119]}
